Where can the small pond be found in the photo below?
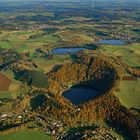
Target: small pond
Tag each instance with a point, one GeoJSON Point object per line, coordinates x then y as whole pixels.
{"type": "Point", "coordinates": [112, 42]}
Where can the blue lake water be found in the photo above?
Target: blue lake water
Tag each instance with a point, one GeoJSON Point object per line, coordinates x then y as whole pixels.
{"type": "Point", "coordinates": [77, 49]}
{"type": "Point", "coordinates": [66, 50]}
{"type": "Point", "coordinates": [80, 94]}
{"type": "Point", "coordinates": [112, 42]}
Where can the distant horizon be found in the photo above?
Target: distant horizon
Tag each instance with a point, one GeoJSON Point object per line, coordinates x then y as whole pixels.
{"type": "Point", "coordinates": [70, 0]}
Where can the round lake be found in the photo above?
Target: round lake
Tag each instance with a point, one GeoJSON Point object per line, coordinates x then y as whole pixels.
{"type": "Point", "coordinates": [80, 94]}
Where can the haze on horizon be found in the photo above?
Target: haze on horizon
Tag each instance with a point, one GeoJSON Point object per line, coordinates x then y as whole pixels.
{"type": "Point", "coordinates": [70, 0]}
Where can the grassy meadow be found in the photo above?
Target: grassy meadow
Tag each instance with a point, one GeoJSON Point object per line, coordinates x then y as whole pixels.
{"type": "Point", "coordinates": [129, 93]}
{"type": "Point", "coordinates": [14, 88]}
{"type": "Point", "coordinates": [129, 54]}
{"type": "Point", "coordinates": [26, 135]}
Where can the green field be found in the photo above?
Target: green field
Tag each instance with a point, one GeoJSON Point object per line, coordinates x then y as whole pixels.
{"type": "Point", "coordinates": [129, 91]}
{"type": "Point", "coordinates": [129, 94]}
{"type": "Point", "coordinates": [26, 135]}
{"type": "Point", "coordinates": [76, 37]}
{"type": "Point", "coordinates": [5, 45]}
{"type": "Point", "coordinates": [21, 41]}
{"type": "Point", "coordinates": [6, 95]}
{"type": "Point", "coordinates": [14, 88]}
{"type": "Point", "coordinates": [129, 54]}
{"type": "Point", "coordinates": [28, 15]}
{"type": "Point", "coordinates": [46, 38]}
{"type": "Point", "coordinates": [47, 65]}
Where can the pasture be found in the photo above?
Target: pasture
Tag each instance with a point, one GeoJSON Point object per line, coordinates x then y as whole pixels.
{"type": "Point", "coordinates": [48, 65]}
{"type": "Point", "coordinates": [9, 87]}
{"type": "Point", "coordinates": [26, 135]}
{"type": "Point", "coordinates": [129, 93]}
{"type": "Point", "coordinates": [4, 83]}
{"type": "Point", "coordinates": [129, 54]}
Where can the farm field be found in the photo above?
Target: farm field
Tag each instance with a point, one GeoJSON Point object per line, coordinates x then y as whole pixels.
{"type": "Point", "coordinates": [48, 65]}
{"type": "Point", "coordinates": [12, 87]}
{"type": "Point", "coordinates": [129, 93]}
{"type": "Point", "coordinates": [129, 54]}
{"type": "Point", "coordinates": [4, 83]}
{"type": "Point", "coordinates": [24, 135]}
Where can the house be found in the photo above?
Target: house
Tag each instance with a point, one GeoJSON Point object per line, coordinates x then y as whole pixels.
{"type": "Point", "coordinates": [4, 116]}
